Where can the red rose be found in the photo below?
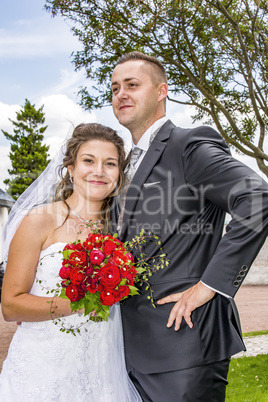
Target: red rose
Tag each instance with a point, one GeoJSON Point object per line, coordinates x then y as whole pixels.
{"type": "Point", "coordinates": [77, 246]}
{"type": "Point", "coordinates": [76, 276]}
{"type": "Point", "coordinates": [92, 288]}
{"type": "Point", "coordinates": [69, 246]}
{"type": "Point", "coordinates": [109, 276]}
{"type": "Point", "coordinates": [119, 243]}
{"type": "Point", "coordinates": [122, 291]}
{"type": "Point", "coordinates": [107, 298]}
{"type": "Point", "coordinates": [133, 271]}
{"type": "Point", "coordinates": [113, 239]}
{"type": "Point", "coordinates": [88, 245]}
{"type": "Point", "coordinates": [91, 281]}
{"type": "Point", "coordinates": [64, 272]}
{"type": "Point", "coordinates": [108, 247]}
{"type": "Point", "coordinates": [72, 292]}
{"type": "Point", "coordinates": [119, 257]}
{"type": "Point", "coordinates": [129, 273]}
{"type": "Point", "coordinates": [100, 287]}
{"type": "Point", "coordinates": [124, 271]}
{"type": "Point", "coordinates": [78, 258]}
{"type": "Point", "coordinates": [88, 270]}
{"type": "Point", "coordinates": [94, 280]}
{"type": "Point", "coordinates": [93, 240]}
{"type": "Point", "coordinates": [126, 291]}
{"type": "Point", "coordinates": [130, 279]}
{"type": "Point", "coordinates": [108, 237]}
{"type": "Point", "coordinates": [93, 285]}
{"type": "Point", "coordinates": [96, 256]}
{"type": "Point", "coordinates": [83, 288]}
{"type": "Point", "coordinates": [130, 257]}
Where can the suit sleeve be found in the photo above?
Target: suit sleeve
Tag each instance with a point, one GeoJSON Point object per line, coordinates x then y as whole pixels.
{"type": "Point", "coordinates": [236, 189]}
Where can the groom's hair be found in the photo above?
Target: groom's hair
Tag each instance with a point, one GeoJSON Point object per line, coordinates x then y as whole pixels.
{"type": "Point", "coordinates": [158, 70]}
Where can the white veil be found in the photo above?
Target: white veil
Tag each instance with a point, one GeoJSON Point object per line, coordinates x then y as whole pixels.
{"type": "Point", "coordinates": [41, 191]}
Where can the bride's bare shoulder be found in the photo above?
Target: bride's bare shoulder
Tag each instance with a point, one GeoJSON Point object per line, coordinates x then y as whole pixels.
{"type": "Point", "coordinates": [47, 214]}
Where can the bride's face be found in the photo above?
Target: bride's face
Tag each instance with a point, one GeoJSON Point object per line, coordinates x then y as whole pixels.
{"type": "Point", "coordinates": [96, 171]}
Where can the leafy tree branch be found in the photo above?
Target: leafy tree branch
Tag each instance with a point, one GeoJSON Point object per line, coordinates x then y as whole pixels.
{"type": "Point", "coordinates": [215, 53]}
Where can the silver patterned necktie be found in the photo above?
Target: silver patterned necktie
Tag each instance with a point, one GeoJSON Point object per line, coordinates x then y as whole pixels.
{"type": "Point", "coordinates": [134, 157]}
{"type": "Point", "coordinates": [131, 169]}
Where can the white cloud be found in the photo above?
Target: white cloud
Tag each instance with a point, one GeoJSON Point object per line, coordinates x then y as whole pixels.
{"type": "Point", "coordinates": [39, 37]}
{"type": "Point", "coordinates": [69, 81]}
{"type": "Point", "coordinates": [62, 116]}
{"type": "Point", "coordinates": [67, 84]}
{"type": "Point", "coordinates": [183, 118]}
{"type": "Point", "coordinates": [7, 112]}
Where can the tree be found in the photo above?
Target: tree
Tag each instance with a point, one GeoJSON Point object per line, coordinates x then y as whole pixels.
{"type": "Point", "coordinates": [215, 54]}
{"type": "Point", "coordinates": [28, 156]}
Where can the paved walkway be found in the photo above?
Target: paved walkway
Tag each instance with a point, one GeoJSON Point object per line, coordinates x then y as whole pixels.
{"type": "Point", "coordinates": [252, 303]}
{"type": "Point", "coordinates": [257, 345]}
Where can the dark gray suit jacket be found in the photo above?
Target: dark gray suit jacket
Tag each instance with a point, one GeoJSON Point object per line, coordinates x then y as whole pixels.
{"type": "Point", "coordinates": [181, 191]}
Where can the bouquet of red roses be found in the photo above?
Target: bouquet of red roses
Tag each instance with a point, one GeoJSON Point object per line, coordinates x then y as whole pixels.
{"type": "Point", "coordinates": [97, 273]}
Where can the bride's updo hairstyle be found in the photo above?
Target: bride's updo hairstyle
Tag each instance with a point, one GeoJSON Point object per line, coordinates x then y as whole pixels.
{"type": "Point", "coordinates": [82, 134]}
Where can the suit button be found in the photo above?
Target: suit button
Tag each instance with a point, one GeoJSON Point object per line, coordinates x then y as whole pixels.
{"type": "Point", "coordinates": [244, 267]}
{"type": "Point", "coordinates": [238, 278]}
{"type": "Point", "coordinates": [236, 284]}
{"type": "Point", "coordinates": [242, 273]}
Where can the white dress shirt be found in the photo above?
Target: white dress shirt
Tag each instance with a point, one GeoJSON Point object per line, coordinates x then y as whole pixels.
{"type": "Point", "coordinates": [144, 141]}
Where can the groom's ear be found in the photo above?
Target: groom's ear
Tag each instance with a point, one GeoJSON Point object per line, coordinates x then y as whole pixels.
{"type": "Point", "coordinates": [163, 91]}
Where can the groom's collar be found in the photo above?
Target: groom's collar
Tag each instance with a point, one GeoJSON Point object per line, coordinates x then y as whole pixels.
{"type": "Point", "coordinates": [144, 141]}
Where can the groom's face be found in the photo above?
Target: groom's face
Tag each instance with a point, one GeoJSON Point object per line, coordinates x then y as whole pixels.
{"type": "Point", "coordinates": [135, 95]}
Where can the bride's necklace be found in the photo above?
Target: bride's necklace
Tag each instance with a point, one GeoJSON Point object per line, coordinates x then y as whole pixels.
{"type": "Point", "coordinates": [86, 221]}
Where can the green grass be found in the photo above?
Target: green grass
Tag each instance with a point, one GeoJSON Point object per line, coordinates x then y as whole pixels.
{"type": "Point", "coordinates": [248, 379]}
{"type": "Point", "coordinates": [249, 334]}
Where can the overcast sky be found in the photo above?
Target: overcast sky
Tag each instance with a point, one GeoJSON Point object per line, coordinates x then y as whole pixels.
{"type": "Point", "coordinates": [35, 63]}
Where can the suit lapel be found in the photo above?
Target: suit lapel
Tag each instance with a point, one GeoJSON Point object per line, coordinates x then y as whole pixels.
{"type": "Point", "coordinates": [149, 161]}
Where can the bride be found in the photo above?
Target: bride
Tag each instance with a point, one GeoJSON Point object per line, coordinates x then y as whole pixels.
{"type": "Point", "coordinates": [43, 363]}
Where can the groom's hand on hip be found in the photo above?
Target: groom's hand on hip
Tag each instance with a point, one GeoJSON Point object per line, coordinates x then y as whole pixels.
{"type": "Point", "coordinates": [186, 303]}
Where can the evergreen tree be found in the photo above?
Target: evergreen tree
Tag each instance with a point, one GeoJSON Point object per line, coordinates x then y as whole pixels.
{"type": "Point", "coordinates": [29, 157]}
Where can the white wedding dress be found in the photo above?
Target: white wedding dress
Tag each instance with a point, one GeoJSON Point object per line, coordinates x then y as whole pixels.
{"type": "Point", "coordinates": [45, 364]}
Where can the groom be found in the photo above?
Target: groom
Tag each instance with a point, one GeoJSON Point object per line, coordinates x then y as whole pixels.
{"type": "Point", "coordinates": [184, 182]}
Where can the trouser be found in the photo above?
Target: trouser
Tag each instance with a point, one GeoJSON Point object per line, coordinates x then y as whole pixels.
{"type": "Point", "coordinates": [198, 384]}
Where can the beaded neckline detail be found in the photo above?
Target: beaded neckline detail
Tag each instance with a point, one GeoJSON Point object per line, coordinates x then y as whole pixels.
{"type": "Point", "coordinates": [86, 221]}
